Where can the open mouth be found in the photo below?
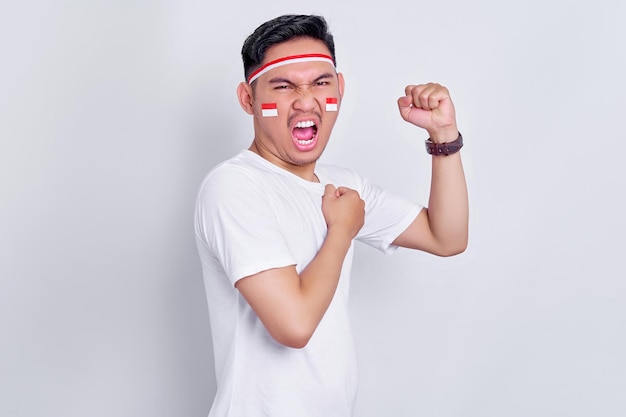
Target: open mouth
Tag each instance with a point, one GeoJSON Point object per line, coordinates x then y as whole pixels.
{"type": "Point", "coordinates": [304, 134]}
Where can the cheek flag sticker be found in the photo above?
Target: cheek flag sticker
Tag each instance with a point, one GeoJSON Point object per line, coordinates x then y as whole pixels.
{"type": "Point", "coordinates": [269, 110]}
{"type": "Point", "coordinates": [331, 104]}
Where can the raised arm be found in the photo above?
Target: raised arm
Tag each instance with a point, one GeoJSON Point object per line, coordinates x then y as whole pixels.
{"type": "Point", "coordinates": [289, 305]}
{"type": "Point", "coordinates": [442, 228]}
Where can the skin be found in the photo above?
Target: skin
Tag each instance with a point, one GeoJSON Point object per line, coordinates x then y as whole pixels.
{"type": "Point", "coordinates": [291, 305]}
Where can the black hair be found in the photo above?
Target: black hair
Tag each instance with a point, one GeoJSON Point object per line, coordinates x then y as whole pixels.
{"type": "Point", "coordinates": [282, 29]}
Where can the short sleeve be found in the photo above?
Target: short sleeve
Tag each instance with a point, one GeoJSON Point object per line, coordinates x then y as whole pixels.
{"type": "Point", "coordinates": [387, 215]}
{"type": "Point", "coordinates": [238, 223]}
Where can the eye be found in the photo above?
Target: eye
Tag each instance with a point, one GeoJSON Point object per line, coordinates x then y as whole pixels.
{"type": "Point", "coordinates": [322, 83]}
{"type": "Point", "coordinates": [283, 87]}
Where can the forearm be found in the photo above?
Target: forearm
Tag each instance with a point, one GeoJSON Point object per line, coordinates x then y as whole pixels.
{"type": "Point", "coordinates": [319, 280]}
{"type": "Point", "coordinates": [344, 212]}
{"type": "Point", "coordinates": [448, 208]}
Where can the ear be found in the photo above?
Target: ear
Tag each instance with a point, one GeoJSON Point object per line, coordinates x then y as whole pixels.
{"type": "Point", "coordinates": [244, 94]}
{"type": "Point", "coordinates": [342, 84]}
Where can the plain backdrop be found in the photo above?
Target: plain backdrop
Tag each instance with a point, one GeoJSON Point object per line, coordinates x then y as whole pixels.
{"type": "Point", "coordinates": [111, 112]}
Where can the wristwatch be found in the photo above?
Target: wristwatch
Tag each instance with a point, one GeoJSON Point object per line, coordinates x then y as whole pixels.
{"type": "Point", "coordinates": [447, 148]}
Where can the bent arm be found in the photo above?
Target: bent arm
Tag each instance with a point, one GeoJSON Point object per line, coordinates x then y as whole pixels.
{"type": "Point", "coordinates": [442, 228]}
{"type": "Point", "coordinates": [291, 306]}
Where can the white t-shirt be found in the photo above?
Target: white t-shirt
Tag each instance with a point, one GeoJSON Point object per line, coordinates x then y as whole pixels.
{"type": "Point", "coordinates": [251, 216]}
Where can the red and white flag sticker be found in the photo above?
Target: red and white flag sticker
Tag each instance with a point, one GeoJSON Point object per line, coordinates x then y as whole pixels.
{"type": "Point", "coordinates": [331, 104]}
{"type": "Point", "coordinates": [269, 110]}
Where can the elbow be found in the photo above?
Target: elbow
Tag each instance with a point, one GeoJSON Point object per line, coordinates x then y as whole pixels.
{"type": "Point", "coordinates": [290, 325]}
{"type": "Point", "coordinates": [452, 249]}
{"type": "Point", "coordinates": [296, 336]}
{"type": "Point", "coordinates": [295, 341]}
{"type": "Point", "coordinates": [452, 252]}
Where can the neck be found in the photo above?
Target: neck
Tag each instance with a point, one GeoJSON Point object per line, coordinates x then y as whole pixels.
{"type": "Point", "coordinates": [304, 170]}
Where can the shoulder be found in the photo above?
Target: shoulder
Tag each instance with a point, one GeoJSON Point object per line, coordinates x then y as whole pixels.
{"type": "Point", "coordinates": [226, 195]}
{"type": "Point", "coordinates": [235, 175]}
{"type": "Point", "coordinates": [231, 187]}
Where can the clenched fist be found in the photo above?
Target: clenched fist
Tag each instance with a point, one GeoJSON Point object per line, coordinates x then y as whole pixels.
{"type": "Point", "coordinates": [430, 107]}
{"type": "Point", "coordinates": [343, 209]}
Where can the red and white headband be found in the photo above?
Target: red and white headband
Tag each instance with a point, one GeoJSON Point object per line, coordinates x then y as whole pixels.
{"type": "Point", "coordinates": [293, 59]}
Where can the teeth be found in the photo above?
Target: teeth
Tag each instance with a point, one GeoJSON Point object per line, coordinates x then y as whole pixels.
{"type": "Point", "coordinates": [307, 123]}
{"type": "Point", "coordinates": [304, 142]}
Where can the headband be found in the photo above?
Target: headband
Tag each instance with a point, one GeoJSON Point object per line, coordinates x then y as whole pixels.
{"type": "Point", "coordinates": [293, 59]}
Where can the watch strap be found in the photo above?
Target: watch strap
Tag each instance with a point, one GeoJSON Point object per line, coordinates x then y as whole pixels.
{"type": "Point", "coordinates": [447, 148]}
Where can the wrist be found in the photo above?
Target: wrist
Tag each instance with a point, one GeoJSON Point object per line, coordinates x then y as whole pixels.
{"type": "Point", "coordinates": [444, 135]}
{"type": "Point", "coordinates": [444, 148]}
{"type": "Point", "coordinates": [339, 236]}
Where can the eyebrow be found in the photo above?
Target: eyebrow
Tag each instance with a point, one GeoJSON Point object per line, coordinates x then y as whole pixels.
{"type": "Point", "coordinates": [279, 80]}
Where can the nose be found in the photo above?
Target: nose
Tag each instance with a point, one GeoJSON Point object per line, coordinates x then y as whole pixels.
{"type": "Point", "coordinates": [305, 101]}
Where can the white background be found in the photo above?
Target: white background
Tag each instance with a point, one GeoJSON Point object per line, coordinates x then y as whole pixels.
{"type": "Point", "coordinates": [112, 112]}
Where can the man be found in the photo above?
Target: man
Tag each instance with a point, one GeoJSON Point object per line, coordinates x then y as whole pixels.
{"type": "Point", "coordinates": [275, 229]}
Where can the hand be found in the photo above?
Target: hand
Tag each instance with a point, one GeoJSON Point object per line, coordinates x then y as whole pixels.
{"type": "Point", "coordinates": [430, 107]}
{"type": "Point", "coordinates": [343, 210]}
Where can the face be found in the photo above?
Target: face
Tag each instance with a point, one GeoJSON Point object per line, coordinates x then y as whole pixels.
{"type": "Point", "coordinates": [296, 138]}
